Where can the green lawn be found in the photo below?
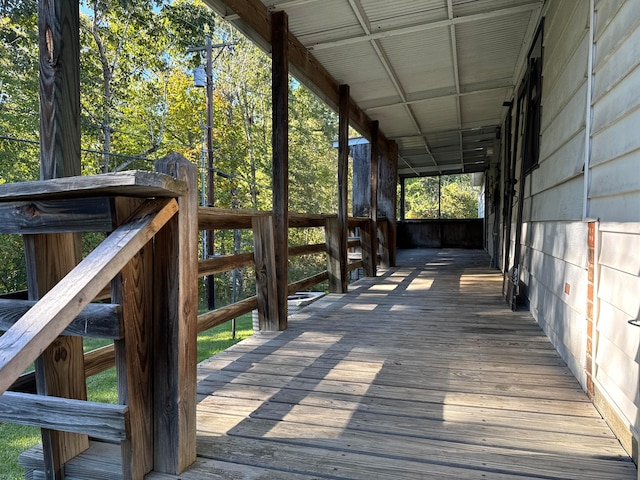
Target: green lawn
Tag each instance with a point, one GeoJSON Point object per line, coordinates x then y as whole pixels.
{"type": "Point", "coordinates": [14, 439]}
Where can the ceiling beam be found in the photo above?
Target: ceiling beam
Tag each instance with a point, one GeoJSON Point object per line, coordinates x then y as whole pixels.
{"type": "Point", "coordinates": [446, 170]}
{"type": "Point", "coordinates": [481, 130]}
{"type": "Point", "coordinates": [428, 95]}
{"type": "Point", "coordinates": [456, 77]}
{"type": "Point", "coordinates": [427, 26]}
{"type": "Point", "coordinates": [361, 15]}
{"type": "Point", "coordinates": [272, 5]}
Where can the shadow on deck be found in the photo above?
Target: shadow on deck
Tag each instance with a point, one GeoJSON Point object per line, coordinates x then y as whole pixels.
{"type": "Point", "coordinates": [422, 372]}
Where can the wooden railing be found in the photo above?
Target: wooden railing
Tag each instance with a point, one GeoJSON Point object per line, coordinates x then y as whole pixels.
{"type": "Point", "coordinates": [153, 315]}
{"type": "Point", "coordinates": [224, 219]}
{"type": "Point", "coordinates": [154, 293]}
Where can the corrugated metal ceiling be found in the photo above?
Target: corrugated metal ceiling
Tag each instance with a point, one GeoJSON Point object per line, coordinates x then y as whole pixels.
{"type": "Point", "coordinates": [434, 73]}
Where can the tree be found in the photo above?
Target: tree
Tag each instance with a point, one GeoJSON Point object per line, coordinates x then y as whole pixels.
{"type": "Point", "coordinates": [458, 198]}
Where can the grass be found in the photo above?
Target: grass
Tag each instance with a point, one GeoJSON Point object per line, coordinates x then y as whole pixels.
{"type": "Point", "coordinates": [15, 439]}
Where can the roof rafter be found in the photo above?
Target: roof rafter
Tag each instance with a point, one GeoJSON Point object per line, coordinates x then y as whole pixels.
{"type": "Point", "coordinates": [435, 95]}
{"type": "Point", "coordinates": [361, 15]}
{"type": "Point", "coordinates": [456, 79]}
{"type": "Point", "coordinates": [427, 26]}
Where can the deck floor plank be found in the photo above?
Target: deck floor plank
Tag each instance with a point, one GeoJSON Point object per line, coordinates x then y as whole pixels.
{"type": "Point", "coordinates": [421, 373]}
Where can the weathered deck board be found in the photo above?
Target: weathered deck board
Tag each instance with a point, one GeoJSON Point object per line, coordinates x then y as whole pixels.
{"type": "Point", "coordinates": [421, 373]}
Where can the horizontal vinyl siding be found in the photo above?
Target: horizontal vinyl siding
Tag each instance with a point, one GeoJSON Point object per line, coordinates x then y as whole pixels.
{"type": "Point", "coordinates": [614, 190]}
{"type": "Point", "coordinates": [555, 237]}
{"type": "Point", "coordinates": [618, 343]}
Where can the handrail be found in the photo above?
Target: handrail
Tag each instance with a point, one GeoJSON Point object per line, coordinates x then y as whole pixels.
{"type": "Point", "coordinates": [39, 327]}
{"type": "Point", "coordinates": [103, 358]}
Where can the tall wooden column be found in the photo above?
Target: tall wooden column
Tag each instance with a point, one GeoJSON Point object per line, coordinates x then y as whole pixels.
{"type": "Point", "coordinates": [374, 178]}
{"type": "Point", "coordinates": [387, 200]}
{"type": "Point", "coordinates": [60, 369]}
{"type": "Point", "coordinates": [280, 187]}
{"type": "Point", "coordinates": [337, 231]}
{"type": "Point", "coordinates": [403, 197]}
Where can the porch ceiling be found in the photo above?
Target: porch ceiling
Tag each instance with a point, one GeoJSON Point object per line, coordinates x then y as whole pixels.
{"type": "Point", "coordinates": [434, 73]}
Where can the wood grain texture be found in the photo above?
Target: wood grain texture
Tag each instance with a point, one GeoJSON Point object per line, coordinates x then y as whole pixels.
{"type": "Point", "coordinates": [280, 147]}
{"type": "Point", "coordinates": [109, 422]}
{"type": "Point", "coordinates": [266, 274]}
{"type": "Point", "coordinates": [335, 234]}
{"type": "Point", "coordinates": [224, 263]}
{"type": "Point", "coordinates": [224, 314]}
{"type": "Point", "coordinates": [129, 183]}
{"type": "Point", "coordinates": [175, 312]}
{"type": "Point", "coordinates": [374, 179]}
{"type": "Point", "coordinates": [133, 290]}
{"type": "Point", "coordinates": [99, 360]}
{"type": "Point", "coordinates": [299, 250]}
{"type": "Point", "coordinates": [97, 320]}
{"type": "Point", "coordinates": [210, 218]}
{"type": "Point", "coordinates": [444, 382]}
{"type": "Point", "coordinates": [308, 282]}
{"type": "Point", "coordinates": [28, 338]}
{"type": "Point", "coordinates": [59, 52]}
{"type": "Point", "coordinates": [56, 216]}
{"type": "Point", "coordinates": [59, 369]}
{"type": "Point", "coordinates": [387, 193]}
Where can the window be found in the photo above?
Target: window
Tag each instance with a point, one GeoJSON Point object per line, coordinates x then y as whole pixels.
{"type": "Point", "coordinates": [533, 104]}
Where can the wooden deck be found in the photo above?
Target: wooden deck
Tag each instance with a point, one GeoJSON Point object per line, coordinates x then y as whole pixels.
{"type": "Point", "coordinates": [421, 373]}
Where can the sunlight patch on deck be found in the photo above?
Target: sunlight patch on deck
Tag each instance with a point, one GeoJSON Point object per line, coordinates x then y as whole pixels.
{"type": "Point", "coordinates": [420, 284]}
{"type": "Point", "coordinates": [471, 282]}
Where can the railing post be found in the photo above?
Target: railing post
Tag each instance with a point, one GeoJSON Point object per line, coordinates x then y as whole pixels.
{"type": "Point", "coordinates": [369, 251]}
{"type": "Point", "coordinates": [176, 316]}
{"type": "Point", "coordinates": [336, 255]}
{"type": "Point", "coordinates": [385, 254]}
{"type": "Point", "coordinates": [132, 289]}
{"type": "Point", "coordinates": [266, 278]}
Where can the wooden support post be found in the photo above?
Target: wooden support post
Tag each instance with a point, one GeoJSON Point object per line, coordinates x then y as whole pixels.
{"type": "Point", "coordinates": [176, 317]}
{"type": "Point", "coordinates": [336, 230]}
{"type": "Point", "coordinates": [133, 290]}
{"type": "Point", "coordinates": [59, 49]}
{"type": "Point", "coordinates": [374, 176]}
{"type": "Point", "coordinates": [403, 195]}
{"type": "Point", "coordinates": [280, 93]}
{"type": "Point", "coordinates": [393, 193]}
{"type": "Point", "coordinates": [387, 200]}
{"type": "Point", "coordinates": [60, 369]}
{"type": "Point", "coordinates": [361, 182]}
{"type": "Point", "coordinates": [266, 277]}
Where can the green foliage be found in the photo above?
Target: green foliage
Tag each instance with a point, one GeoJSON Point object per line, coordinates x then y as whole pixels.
{"type": "Point", "coordinates": [19, 161]}
{"type": "Point", "coordinates": [139, 103]}
{"type": "Point", "coordinates": [458, 198]}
